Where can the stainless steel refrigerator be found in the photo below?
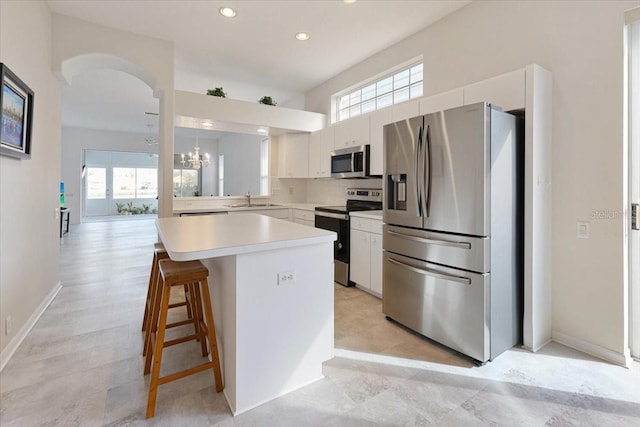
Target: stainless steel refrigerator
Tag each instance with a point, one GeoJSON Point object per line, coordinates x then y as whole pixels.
{"type": "Point", "coordinates": [453, 214]}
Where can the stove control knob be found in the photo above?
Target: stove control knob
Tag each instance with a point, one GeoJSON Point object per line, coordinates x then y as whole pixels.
{"type": "Point", "coordinates": [339, 245]}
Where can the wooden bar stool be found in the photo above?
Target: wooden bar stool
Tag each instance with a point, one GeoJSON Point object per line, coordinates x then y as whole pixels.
{"type": "Point", "coordinates": [192, 274]}
{"type": "Point", "coordinates": [159, 254]}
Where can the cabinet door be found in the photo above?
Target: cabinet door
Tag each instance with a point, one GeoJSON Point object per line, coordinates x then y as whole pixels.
{"type": "Point", "coordinates": [326, 142]}
{"type": "Point", "coordinates": [315, 150]}
{"type": "Point", "coordinates": [405, 110]}
{"type": "Point", "coordinates": [376, 263]}
{"type": "Point", "coordinates": [293, 156]}
{"type": "Point", "coordinates": [360, 258]}
{"type": "Point", "coordinates": [506, 91]}
{"type": "Point", "coordinates": [442, 101]}
{"type": "Point", "coordinates": [352, 132]}
{"type": "Point", "coordinates": [377, 120]}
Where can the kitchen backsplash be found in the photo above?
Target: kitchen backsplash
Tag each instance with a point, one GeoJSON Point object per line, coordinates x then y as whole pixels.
{"type": "Point", "coordinates": [331, 191]}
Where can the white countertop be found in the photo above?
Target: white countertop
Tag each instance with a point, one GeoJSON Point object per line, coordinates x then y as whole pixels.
{"type": "Point", "coordinates": [368, 214]}
{"type": "Point", "coordinates": [211, 236]}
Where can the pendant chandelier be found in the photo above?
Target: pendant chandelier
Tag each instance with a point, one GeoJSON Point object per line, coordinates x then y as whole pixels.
{"type": "Point", "coordinates": [193, 160]}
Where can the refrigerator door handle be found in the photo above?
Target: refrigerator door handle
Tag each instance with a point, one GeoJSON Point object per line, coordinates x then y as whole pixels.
{"type": "Point", "coordinates": [427, 173]}
{"type": "Point", "coordinates": [464, 280]}
{"type": "Point", "coordinates": [416, 170]}
{"type": "Point", "coordinates": [461, 245]}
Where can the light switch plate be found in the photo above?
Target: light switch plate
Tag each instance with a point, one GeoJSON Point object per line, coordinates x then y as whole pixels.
{"type": "Point", "coordinates": [583, 230]}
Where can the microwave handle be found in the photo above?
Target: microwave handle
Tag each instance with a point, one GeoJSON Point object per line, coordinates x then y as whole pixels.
{"type": "Point", "coordinates": [353, 162]}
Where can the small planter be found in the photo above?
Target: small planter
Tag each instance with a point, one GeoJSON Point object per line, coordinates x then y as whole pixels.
{"type": "Point", "coordinates": [267, 100]}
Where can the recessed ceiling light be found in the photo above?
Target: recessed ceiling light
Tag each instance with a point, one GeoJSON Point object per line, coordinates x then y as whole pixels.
{"type": "Point", "coordinates": [262, 130]}
{"type": "Point", "coordinates": [349, 1]}
{"type": "Point", "coordinates": [302, 36]}
{"type": "Point", "coordinates": [208, 124]}
{"type": "Point", "coordinates": [228, 12]}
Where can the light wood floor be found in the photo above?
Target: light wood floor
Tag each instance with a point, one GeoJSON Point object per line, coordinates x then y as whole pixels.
{"type": "Point", "coordinates": [81, 364]}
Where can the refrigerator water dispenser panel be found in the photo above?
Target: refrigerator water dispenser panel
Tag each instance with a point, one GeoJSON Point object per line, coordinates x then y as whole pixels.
{"type": "Point", "coordinates": [397, 196]}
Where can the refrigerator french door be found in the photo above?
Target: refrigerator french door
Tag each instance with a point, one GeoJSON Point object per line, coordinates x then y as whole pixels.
{"type": "Point", "coordinates": [453, 228]}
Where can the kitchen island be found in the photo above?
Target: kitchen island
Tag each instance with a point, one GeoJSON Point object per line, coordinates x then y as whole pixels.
{"type": "Point", "coordinates": [271, 286]}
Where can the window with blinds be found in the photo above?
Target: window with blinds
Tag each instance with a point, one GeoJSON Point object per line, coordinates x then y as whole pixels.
{"type": "Point", "coordinates": [391, 89]}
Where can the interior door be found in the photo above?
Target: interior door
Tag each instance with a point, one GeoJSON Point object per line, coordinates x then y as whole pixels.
{"type": "Point", "coordinates": [456, 158]}
{"type": "Point", "coordinates": [97, 191]}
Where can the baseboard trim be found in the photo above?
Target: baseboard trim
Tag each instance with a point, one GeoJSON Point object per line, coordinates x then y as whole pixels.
{"type": "Point", "coordinates": [15, 342]}
{"type": "Point", "coordinates": [622, 359]}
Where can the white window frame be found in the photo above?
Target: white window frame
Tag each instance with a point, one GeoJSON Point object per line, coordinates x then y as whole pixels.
{"type": "Point", "coordinates": [350, 103]}
{"type": "Point", "coordinates": [264, 167]}
{"type": "Point", "coordinates": [221, 174]}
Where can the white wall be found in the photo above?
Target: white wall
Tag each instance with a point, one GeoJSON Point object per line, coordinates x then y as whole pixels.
{"type": "Point", "coordinates": [29, 247]}
{"type": "Point", "coordinates": [241, 163]}
{"type": "Point", "coordinates": [75, 141]}
{"type": "Point", "coordinates": [193, 81]}
{"type": "Point", "coordinates": [581, 43]}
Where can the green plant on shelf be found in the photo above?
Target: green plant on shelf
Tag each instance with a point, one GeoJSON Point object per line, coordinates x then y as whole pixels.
{"type": "Point", "coordinates": [267, 100]}
{"type": "Point", "coordinates": [219, 92]}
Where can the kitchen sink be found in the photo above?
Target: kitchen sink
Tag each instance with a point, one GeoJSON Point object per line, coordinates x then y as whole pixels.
{"type": "Point", "coordinates": [252, 205]}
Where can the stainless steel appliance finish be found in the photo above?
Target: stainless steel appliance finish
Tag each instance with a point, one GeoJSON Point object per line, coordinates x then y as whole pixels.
{"type": "Point", "coordinates": [352, 162]}
{"type": "Point", "coordinates": [336, 218]}
{"type": "Point", "coordinates": [453, 228]}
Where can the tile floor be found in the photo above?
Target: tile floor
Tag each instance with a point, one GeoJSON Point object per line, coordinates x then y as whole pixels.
{"type": "Point", "coordinates": [81, 364]}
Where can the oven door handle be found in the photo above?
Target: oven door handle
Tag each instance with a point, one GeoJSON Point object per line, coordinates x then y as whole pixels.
{"type": "Point", "coordinates": [333, 215]}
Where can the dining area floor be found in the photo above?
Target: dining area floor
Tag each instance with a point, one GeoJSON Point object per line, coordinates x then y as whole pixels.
{"type": "Point", "coordinates": [81, 364]}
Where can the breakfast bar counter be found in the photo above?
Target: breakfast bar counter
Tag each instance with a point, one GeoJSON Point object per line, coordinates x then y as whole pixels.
{"type": "Point", "coordinates": [271, 287]}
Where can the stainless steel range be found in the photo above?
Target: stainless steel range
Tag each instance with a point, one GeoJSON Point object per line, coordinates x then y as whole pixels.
{"type": "Point", "coordinates": [336, 218]}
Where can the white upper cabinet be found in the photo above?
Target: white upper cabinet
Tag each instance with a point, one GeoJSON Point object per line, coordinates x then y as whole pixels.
{"type": "Point", "coordinates": [293, 155]}
{"type": "Point", "coordinates": [320, 148]}
{"type": "Point", "coordinates": [405, 110]}
{"type": "Point", "coordinates": [506, 91]}
{"type": "Point", "coordinates": [351, 132]}
{"type": "Point", "coordinates": [377, 121]}
{"type": "Point", "coordinates": [442, 101]}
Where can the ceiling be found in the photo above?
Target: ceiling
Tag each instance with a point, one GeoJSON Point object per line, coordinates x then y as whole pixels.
{"type": "Point", "coordinates": [257, 48]}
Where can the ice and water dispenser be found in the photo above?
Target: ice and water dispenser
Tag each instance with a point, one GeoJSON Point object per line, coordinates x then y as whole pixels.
{"type": "Point", "coordinates": [397, 192]}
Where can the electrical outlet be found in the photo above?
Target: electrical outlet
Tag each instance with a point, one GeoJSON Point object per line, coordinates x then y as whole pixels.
{"type": "Point", "coordinates": [583, 230]}
{"type": "Point", "coordinates": [7, 326]}
{"type": "Point", "coordinates": [56, 213]}
{"type": "Point", "coordinates": [286, 277]}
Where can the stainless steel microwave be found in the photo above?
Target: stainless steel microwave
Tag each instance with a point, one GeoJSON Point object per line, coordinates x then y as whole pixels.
{"type": "Point", "coordinates": [352, 162]}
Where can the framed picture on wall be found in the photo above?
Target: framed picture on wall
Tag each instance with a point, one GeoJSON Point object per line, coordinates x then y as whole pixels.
{"type": "Point", "coordinates": [16, 99]}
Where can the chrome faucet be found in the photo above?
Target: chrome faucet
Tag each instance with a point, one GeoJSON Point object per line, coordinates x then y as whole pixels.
{"type": "Point", "coordinates": [248, 196]}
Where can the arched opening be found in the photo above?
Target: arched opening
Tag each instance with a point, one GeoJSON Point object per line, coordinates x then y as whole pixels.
{"type": "Point", "coordinates": [110, 138]}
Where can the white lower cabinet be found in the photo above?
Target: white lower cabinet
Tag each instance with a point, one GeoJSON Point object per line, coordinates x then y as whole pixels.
{"type": "Point", "coordinates": [301, 216]}
{"type": "Point", "coordinates": [366, 254]}
{"type": "Point", "coordinates": [274, 213]}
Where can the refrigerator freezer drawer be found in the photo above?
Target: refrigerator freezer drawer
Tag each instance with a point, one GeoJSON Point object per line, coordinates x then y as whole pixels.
{"type": "Point", "coordinates": [468, 253]}
{"type": "Point", "coordinates": [447, 305]}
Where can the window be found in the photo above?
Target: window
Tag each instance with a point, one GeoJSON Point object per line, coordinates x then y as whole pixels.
{"type": "Point", "coordinates": [391, 89]}
{"type": "Point", "coordinates": [221, 174]}
{"type": "Point", "coordinates": [185, 182]}
{"type": "Point", "coordinates": [135, 183]}
{"type": "Point", "coordinates": [264, 167]}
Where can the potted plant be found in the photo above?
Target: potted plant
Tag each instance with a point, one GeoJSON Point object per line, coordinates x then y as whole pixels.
{"type": "Point", "coordinates": [219, 92]}
{"type": "Point", "coordinates": [120, 208]}
{"type": "Point", "coordinates": [267, 100]}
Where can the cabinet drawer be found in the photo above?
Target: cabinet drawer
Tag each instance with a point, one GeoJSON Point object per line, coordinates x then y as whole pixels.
{"type": "Point", "coordinates": [366, 224]}
{"type": "Point", "coordinates": [302, 214]}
